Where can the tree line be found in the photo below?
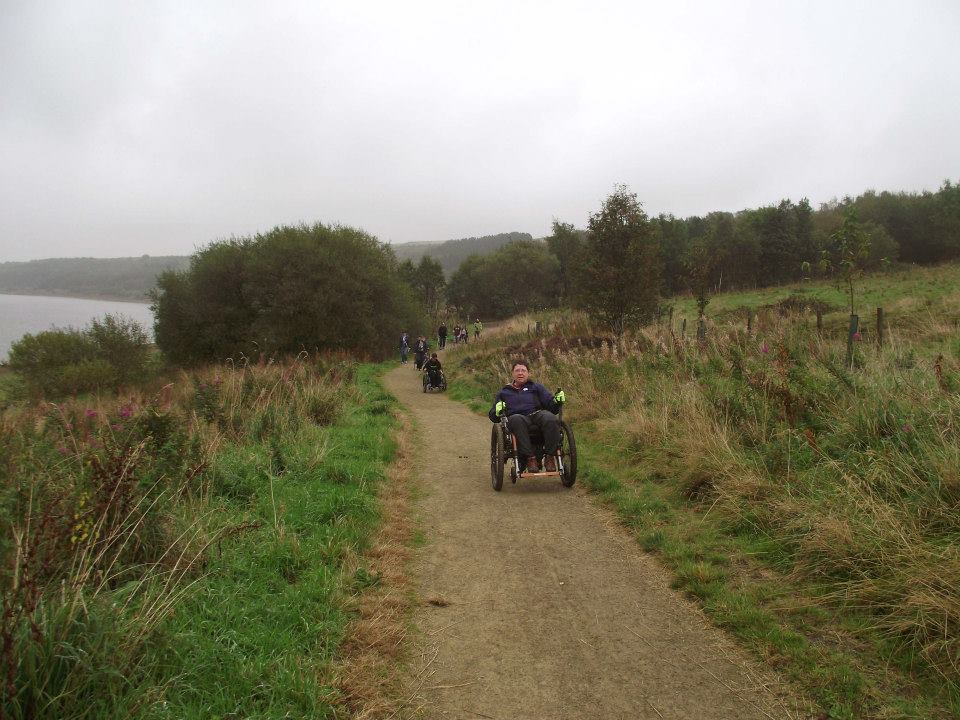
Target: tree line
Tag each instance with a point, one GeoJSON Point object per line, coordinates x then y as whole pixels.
{"type": "Point", "coordinates": [622, 247]}
{"type": "Point", "coordinates": [334, 288]}
{"type": "Point", "coordinates": [128, 278]}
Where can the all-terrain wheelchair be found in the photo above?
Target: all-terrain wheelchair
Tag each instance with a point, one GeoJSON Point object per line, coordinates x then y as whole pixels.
{"type": "Point", "coordinates": [503, 451]}
{"type": "Point", "coordinates": [440, 386]}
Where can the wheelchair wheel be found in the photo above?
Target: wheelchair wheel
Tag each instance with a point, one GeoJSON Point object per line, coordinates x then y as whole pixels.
{"type": "Point", "coordinates": [568, 451]}
{"type": "Point", "coordinates": [497, 459]}
{"type": "Point", "coordinates": [424, 383]}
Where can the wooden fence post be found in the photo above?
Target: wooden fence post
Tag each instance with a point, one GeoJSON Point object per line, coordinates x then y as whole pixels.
{"type": "Point", "coordinates": [701, 330]}
{"type": "Point", "coordinates": [749, 322]}
{"type": "Point", "coordinates": [683, 328]}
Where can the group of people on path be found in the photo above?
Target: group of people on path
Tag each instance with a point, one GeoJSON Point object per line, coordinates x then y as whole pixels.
{"type": "Point", "coordinates": [461, 333]}
{"type": "Point", "coordinates": [421, 346]}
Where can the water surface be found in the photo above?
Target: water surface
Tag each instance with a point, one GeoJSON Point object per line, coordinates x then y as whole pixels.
{"type": "Point", "coordinates": [23, 314]}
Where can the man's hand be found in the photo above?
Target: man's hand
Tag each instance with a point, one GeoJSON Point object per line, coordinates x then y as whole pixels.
{"type": "Point", "coordinates": [560, 398]}
{"type": "Point", "coordinates": [500, 408]}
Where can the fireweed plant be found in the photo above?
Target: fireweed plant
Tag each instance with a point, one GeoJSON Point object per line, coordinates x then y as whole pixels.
{"type": "Point", "coordinates": [813, 510]}
{"type": "Point", "coordinates": [167, 553]}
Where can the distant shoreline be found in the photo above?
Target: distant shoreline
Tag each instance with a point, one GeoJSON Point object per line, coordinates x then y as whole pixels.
{"type": "Point", "coordinates": [77, 296]}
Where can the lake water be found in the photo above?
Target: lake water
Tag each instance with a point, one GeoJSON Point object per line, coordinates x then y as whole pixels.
{"type": "Point", "coordinates": [23, 314]}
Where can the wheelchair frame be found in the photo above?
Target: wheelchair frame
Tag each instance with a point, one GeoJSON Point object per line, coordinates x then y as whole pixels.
{"type": "Point", "coordinates": [503, 448]}
{"type": "Point", "coordinates": [427, 387]}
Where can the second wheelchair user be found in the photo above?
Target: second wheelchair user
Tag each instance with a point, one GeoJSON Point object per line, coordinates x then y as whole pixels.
{"type": "Point", "coordinates": [432, 367]}
{"type": "Point", "coordinates": [529, 404]}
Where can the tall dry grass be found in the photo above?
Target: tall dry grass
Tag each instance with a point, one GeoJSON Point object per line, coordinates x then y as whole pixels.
{"type": "Point", "coordinates": [108, 520]}
{"type": "Point", "coordinates": [853, 475]}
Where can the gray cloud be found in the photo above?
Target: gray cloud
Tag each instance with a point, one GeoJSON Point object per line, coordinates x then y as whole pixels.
{"type": "Point", "coordinates": [129, 128]}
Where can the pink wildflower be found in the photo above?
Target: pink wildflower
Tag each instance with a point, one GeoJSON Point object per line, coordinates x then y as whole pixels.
{"type": "Point", "coordinates": [62, 449]}
{"type": "Point", "coordinates": [907, 427]}
{"type": "Point", "coordinates": [90, 413]}
{"type": "Point", "coordinates": [856, 335]}
{"type": "Point", "coordinates": [116, 426]}
{"type": "Point", "coordinates": [764, 348]}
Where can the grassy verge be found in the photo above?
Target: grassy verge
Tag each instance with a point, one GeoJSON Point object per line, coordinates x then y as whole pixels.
{"type": "Point", "coordinates": [921, 303]}
{"type": "Point", "coordinates": [810, 509]}
{"type": "Point", "coordinates": [191, 553]}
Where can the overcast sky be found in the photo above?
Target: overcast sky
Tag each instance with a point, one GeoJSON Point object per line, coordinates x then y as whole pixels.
{"type": "Point", "coordinates": [156, 127]}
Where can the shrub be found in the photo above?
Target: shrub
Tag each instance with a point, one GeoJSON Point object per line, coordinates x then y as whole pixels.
{"type": "Point", "coordinates": [110, 352]}
{"type": "Point", "coordinates": [123, 344]}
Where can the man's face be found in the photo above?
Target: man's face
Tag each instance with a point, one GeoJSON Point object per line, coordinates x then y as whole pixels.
{"type": "Point", "coordinates": [520, 374]}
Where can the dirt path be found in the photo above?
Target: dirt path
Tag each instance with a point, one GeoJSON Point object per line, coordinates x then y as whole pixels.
{"type": "Point", "coordinates": [535, 604]}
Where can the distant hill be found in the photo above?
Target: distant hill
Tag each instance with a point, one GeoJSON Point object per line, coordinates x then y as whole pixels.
{"type": "Point", "coordinates": [129, 278]}
{"type": "Point", "coordinates": [450, 253]}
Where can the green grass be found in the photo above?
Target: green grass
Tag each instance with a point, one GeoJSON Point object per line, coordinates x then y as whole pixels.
{"type": "Point", "coordinates": [263, 625]}
{"type": "Point", "coordinates": [280, 514]}
{"type": "Point", "coordinates": [912, 299]}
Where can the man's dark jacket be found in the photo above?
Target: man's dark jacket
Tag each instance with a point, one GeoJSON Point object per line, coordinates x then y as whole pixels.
{"type": "Point", "coordinates": [432, 366]}
{"type": "Point", "coordinates": [531, 396]}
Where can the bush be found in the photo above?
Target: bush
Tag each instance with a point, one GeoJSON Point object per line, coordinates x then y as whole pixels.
{"type": "Point", "coordinates": [292, 289]}
{"type": "Point", "coordinates": [123, 344]}
{"type": "Point", "coordinates": [53, 363]}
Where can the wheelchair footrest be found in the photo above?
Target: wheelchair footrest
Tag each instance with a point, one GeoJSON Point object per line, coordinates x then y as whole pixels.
{"type": "Point", "coordinates": [543, 473]}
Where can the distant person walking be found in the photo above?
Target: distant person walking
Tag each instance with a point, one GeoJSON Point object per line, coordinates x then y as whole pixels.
{"type": "Point", "coordinates": [404, 347]}
{"type": "Point", "coordinates": [420, 351]}
{"type": "Point", "coordinates": [456, 334]}
{"type": "Point", "coordinates": [477, 328]}
{"type": "Point", "coordinates": [442, 336]}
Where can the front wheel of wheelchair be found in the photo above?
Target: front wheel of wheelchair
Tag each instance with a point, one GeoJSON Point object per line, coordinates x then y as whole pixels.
{"type": "Point", "coordinates": [497, 457]}
{"type": "Point", "coordinates": [568, 452]}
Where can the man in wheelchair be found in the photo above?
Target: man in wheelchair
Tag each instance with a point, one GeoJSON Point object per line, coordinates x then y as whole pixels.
{"type": "Point", "coordinates": [527, 405]}
{"type": "Point", "coordinates": [434, 372]}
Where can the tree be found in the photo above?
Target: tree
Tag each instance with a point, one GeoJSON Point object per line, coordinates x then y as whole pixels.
{"type": "Point", "coordinates": [293, 288]}
{"type": "Point", "coordinates": [850, 249]}
{"type": "Point", "coordinates": [535, 288]}
{"type": "Point", "coordinates": [430, 283]}
{"type": "Point", "coordinates": [780, 252]}
{"type": "Point", "coordinates": [566, 244]}
{"type": "Point", "coordinates": [671, 234]}
{"type": "Point", "coordinates": [468, 288]}
{"type": "Point", "coordinates": [488, 286]}
{"type": "Point", "coordinates": [619, 283]}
